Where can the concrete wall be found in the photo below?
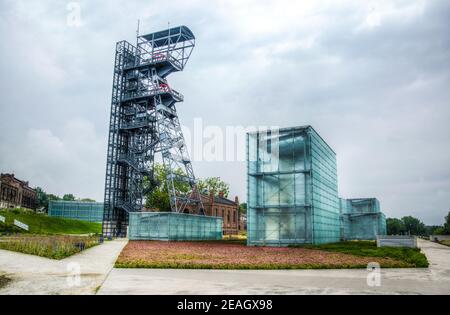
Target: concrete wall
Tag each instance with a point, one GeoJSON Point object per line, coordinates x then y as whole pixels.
{"type": "Point", "coordinates": [396, 241]}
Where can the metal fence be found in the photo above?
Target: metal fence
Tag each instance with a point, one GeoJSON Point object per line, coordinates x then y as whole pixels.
{"type": "Point", "coordinates": [170, 226]}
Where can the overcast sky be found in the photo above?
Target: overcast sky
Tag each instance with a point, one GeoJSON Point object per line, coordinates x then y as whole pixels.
{"type": "Point", "coordinates": [372, 77]}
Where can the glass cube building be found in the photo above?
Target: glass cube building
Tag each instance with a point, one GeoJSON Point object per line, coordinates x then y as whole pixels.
{"type": "Point", "coordinates": [292, 188]}
{"type": "Point", "coordinates": [361, 219]}
{"type": "Point", "coordinates": [172, 226]}
{"type": "Point", "coordinates": [86, 211]}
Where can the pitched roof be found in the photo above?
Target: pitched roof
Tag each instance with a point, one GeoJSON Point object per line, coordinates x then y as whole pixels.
{"type": "Point", "coordinates": [224, 201]}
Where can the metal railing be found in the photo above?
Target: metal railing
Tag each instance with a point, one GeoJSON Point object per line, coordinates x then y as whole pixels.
{"type": "Point", "coordinates": [137, 123]}
{"type": "Point", "coordinates": [153, 92]}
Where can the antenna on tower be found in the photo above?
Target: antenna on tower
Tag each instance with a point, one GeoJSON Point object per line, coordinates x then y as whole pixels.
{"type": "Point", "coordinates": [138, 28]}
{"type": "Point", "coordinates": [137, 32]}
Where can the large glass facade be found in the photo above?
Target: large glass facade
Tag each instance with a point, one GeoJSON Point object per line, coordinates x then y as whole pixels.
{"type": "Point", "coordinates": [169, 226]}
{"type": "Point", "coordinates": [362, 219]}
{"type": "Point", "coordinates": [292, 188]}
{"type": "Point", "coordinates": [86, 211]}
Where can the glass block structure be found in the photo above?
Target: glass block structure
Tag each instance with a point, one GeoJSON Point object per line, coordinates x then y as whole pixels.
{"type": "Point", "coordinates": [292, 188]}
{"type": "Point", "coordinates": [361, 219]}
{"type": "Point", "coordinates": [171, 226]}
{"type": "Point", "coordinates": [86, 211]}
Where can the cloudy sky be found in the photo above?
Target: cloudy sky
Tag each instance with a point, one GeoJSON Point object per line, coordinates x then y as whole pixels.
{"type": "Point", "coordinates": [372, 77]}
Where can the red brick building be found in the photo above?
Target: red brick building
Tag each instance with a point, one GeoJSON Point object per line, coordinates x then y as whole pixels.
{"type": "Point", "coordinates": [15, 193]}
{"type": "Point", "coordinates": [222, 207]}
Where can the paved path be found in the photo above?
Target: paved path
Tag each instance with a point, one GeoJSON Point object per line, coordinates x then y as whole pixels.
{"type": "Point", "coordinates": [434, 280]}
{"type": "Point", "coordinates": [37, 275]}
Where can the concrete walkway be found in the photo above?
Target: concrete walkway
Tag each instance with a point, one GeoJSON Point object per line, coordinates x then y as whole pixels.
{"type": "Point", "coordinates": [434, 280]}
{"type": "Point", "coordinates": [37, 275]}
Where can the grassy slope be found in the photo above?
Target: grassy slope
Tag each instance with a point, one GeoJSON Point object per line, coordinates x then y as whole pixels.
{"type": "Point", "coordinates": [412, 256]}
{"type": "Point", "coordinates": [49, 246]}
{"type": "Point", "coordinates": [42, 224]}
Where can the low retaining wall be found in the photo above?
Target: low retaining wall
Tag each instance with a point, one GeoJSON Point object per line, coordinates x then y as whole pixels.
{"type": "Point", "coordinates": [396, 241]}
{"type": "Point", "coordinates": [169, 226]}
{"type": "Point", "coordinates": [438, 238]}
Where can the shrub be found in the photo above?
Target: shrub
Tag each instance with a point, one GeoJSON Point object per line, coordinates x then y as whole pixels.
{"type": "Point", "coordinates": [55, 247]}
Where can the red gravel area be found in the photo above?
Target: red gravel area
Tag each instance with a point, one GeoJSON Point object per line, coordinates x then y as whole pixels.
{"type": "Point", "coordinates": [205, 255]}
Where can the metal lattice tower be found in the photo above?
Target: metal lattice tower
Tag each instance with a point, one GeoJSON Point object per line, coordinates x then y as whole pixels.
{"type": "Point", "coordinates": [144, 122]}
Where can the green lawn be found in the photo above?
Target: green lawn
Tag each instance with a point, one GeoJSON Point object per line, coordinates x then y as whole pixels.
{"type": "Point", "coordinates": [49, 246]}
{"type": "Point", "coordinates": [412, 256]}
{"type": "Point", "coordinates": [43, 224]}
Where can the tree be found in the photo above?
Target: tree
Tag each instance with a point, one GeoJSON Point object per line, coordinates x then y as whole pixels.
{"type": "Point", "coordinates": [395, 226]}
{"type": "Point", "coordinates": [158, 197]}
{"type": "Point", "coordinates": [439, 231]}
{"type": "Point", "coordinates": [447, 224]}
{"type": "Point", "coordinates": [69, 197]}
{"type": "Point", "coordinates": [42, 198]}
{"type": "Point", "coordinates": [87, 200]}
{"type": "Point", "coordinates": [414, 226]}
{"type": "Point", "coordinates": [243, 208]}
{"type": "Point", "coordinates": [52, 197]}
{"type": "Point", "coordinates": [215, 185]}
{"type": "Point", "coordinates": [434, 230]}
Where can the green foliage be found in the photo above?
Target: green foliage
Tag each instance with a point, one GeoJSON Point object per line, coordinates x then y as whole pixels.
{"type": "Point", "coordinates": [395, 226]}
{"type": "Point", "coordinates": [54, 247]}
{"type": "Point", "coordinates": [241, 266]}
{"type": "Point", "coordinates": [447, 224]}
{"type": "Point", "coordinates": [43, 224]}
{"type": "Point", "coordinates": [434, 230]}
{"type": "Point", "coordinates": [243, 208]}
{"type": "Point", "coordinates": [215, 185]}
{"type": "Point", "coordinates": [42, 198]}
{"type": "Point", "coordinates": [87, 200]}
{"type": "Point", "coordinates": [69, 197]}
{"type": "Point", "coordinates": [407, 225]}
{"type": "Point", "coordinates": [52, 197]}
{"type": "Point", "coordinates": [439, 231]}
{"type": "Point", "coordinates": [158, 198]}
{"type": "Point", "coordinates": [9, 229]}
{"type": "Point", "coordinates": [412, 257]}
{"type": "Point", "coordinates": [414, 226]}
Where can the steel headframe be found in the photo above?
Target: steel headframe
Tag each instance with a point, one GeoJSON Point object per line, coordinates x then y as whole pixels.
{"type": "Point", "coordinates": [144, 122]}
